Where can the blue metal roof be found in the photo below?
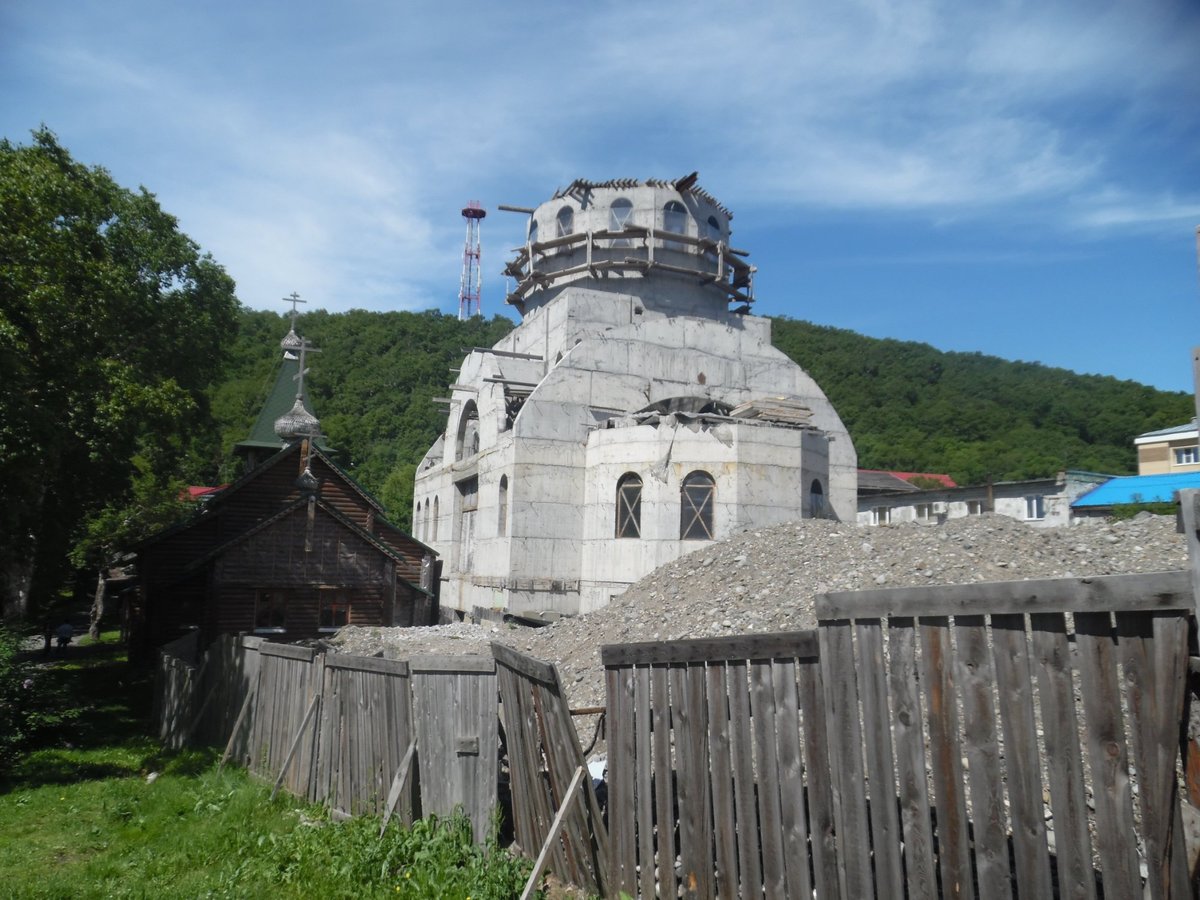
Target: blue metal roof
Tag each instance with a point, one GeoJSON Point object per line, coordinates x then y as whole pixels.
{"type": "Point", "coordinates": [1138, 489]}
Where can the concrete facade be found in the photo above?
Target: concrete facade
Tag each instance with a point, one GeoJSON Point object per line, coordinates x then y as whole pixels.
{"type": "Point", "coordinates": [1043, 502]}
{"type": "Point", "coordinates": [630, 418]}
{"type": "Point", "coordinates": [1169, 451]}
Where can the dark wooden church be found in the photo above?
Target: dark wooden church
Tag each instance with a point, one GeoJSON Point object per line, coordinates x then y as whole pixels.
{"type": "Point", "coordinates": [293, 549]}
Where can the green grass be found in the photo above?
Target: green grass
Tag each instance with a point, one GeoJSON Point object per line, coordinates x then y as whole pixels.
{"type": "Point", "coordinates": [80, 817]}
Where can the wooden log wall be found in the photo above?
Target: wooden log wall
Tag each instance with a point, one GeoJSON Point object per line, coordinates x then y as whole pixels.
{"type": "Point", "coordinates": [543, 755]}
{"type": "Point", "coordinates": [716, 759]}
{"type": "Point", "coordinates": [1034, 707]}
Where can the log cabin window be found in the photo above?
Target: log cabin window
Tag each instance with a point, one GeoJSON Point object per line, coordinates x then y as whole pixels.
{"type": "Point", "coordinates": [629, 506]}
{"type": "Point", "coordinates": [334, 608]}
{"type": "Point", "coordinates": [270, 611]}
{"type": "Point", "coordinates": [697, 498]}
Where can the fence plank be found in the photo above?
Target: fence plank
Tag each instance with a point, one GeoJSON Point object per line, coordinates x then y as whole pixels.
{"type": "Point", "coordinates": [877, 740]}
{"type": "Point", "coordinates": [907, 716]}
{"type": "Point", "coordinates": [664, 780]}
{"type": "Point", "coordinates": [1064, 762]}
{"type": "Point", "coordinates": [937, 675]}
{"type": "Point", "coordinates": [816, 764]}
{"type": "Point", "coordinates": [1107, 753]}
{"type": "Point", "coordinates": [794, 816]}
{"type": "Point", "coordinates": [839, 669]}
{"type": "Point", "coordinates": [975, 676]}
{"type": "Point", "coordinates": [620, 777]}
{"type": "Point", "coordinates": [1014, 688]}
{"type": "Point", "coordinates": [644, 780]}
{"type": "Point", "coordinates": [695, 804]}
{"type": "Point", "coordinates": [741, 740]}
{"type": "Point", "coordinates": [766, 764]}
{"type": "Point", "coordinates": [721, 777]}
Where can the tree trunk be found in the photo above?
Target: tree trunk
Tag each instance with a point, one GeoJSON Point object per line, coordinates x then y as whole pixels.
{"type": "Point", "coordinates": [98, 605]}
{"type": "Point", "coordinates": [16, 578]}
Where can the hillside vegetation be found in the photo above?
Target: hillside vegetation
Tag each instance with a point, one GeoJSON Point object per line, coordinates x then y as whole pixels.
{"type": "Point", "coordinates": [907, 405]}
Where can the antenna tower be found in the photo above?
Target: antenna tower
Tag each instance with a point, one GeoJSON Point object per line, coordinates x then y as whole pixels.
{"type": "Point", "coordinates": [472, 277]}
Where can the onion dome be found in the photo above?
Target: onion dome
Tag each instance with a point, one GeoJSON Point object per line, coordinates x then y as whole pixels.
{"type": "Point", "coordinates": [296, 422]}
{"type": "Point", "coordinates": [290, 341]}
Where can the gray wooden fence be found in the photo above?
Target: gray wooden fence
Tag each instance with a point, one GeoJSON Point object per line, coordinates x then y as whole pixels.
{"type": "Point", "coordinates": [544, 756]}
{"type": "Point", "coordinates": [967, 741]}
{"type": "Point", "coordinates": [366, 735]}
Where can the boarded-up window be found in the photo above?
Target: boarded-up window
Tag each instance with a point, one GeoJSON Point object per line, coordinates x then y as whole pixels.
{"type": "Point", "coordinates": [697, 497]}
{"type": "Point", "coordinates": [629, 506]}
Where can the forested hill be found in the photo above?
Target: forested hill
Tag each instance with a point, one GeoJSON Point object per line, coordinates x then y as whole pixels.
{"type": "Point", "coordinates": [907, 406]}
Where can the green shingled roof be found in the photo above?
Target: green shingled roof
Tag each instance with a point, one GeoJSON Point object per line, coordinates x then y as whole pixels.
{"type": "Point", "coordinates": [279, 401]}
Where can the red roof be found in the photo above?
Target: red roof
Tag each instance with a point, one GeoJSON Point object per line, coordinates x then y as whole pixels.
{"type": "Point", "coordinates": [945, 480]}
{"type": "Point", "coordinates": [195, 492]}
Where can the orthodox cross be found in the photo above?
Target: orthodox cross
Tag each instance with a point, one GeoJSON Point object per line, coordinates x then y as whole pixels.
{"type": "Point", "coordinates": [304, 349]}
{"type": "Point", "coordinates": [294, 299]}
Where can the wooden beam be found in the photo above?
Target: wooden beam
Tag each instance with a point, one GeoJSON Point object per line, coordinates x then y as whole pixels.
{"type": "Point", "coordinates": [250, 695]}
{"type": "Point", "coordinates": [398, 784]}
{"type": "Point", "coordinates": [312, 707]}
{"type": "Point", "coordinates": [795, 644]}
{"type": "Point", "coordinates": [1106, 593]}
{"type": "Point", "coordinates": [560, 817]}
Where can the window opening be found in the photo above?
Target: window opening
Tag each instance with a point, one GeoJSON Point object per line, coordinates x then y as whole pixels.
{"type": "Point", "coordinates": [334, 609]}
{"type": "Point", "coordinates": [697, 496]}
{"type": "Point", "coordinates": [468, 431]}
{"type": "Point", "coordinates": [565, 222]}
{"type": "Point", "coordinates": [924, 512]}
{"type": "Point", "coordinates": [816, 498]}
{"type": "Point", "coordinates": [433, 523]}
{"type": "Point", "coordinates": [629, 506]}
{"type": "Point", "coordinates": [974, 507]}
{"type": "Point", "coordinates": [881, 515]}
{"type": "Point", "coordinates": [270, 611]}
{"type": "Point", "coordinates": [675, 222]}
{"type": "Point", "coordinates": [1035, 507]}
{"type": "Point", "coordinates": [1186, 456]}
{"type": "Point", "coordinates": [619, 214]}
{"type": "Point", "coordinates": [502, 508]}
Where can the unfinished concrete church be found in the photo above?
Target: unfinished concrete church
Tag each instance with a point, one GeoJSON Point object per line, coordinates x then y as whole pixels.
{"type": "Point", "coordinates": [632, 416]}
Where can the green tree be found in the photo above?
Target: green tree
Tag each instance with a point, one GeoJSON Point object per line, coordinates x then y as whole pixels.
{"type": "Point", "coordinates": [112, 324]}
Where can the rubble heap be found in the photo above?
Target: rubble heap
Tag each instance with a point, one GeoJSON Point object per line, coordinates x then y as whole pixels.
{"type": "Point", "coordinates": [767, 580]}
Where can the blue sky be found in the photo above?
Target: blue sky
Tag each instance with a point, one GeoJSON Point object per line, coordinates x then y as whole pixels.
{"type": "Point", "coordinates": [1017, 178]}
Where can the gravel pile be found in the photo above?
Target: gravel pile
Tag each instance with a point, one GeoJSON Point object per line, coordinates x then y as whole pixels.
{"type": "Point", "coordinates": [766, 580]}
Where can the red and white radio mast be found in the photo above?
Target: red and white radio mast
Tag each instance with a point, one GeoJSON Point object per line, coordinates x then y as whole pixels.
{"type": "Point", "coordinates": [472, 277]}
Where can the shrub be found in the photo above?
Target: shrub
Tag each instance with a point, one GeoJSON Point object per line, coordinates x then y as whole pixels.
{"type": "Point", "coordinates": [30, 702]}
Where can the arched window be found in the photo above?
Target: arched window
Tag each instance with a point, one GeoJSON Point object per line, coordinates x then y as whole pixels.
{"type": "Point", "coordinates": [433, 523]}
{"type": "Point", "coordinates": [425, 521]}
{"type": "Point", "coordinates": [416, 523]}
{"type": "Point", "coordinates": [714, 229]}
{"type": "Point", "coordinates": [698, 494]}
{"type": "Point", "coordinates": [565, 222]}
{"type": "Point", "coordinates": [502, 508]}
{"type": "Point", "coordinates": [619, 214]}
{"type": "Point", "coordinates": [467, 443]}
{"type": "Point", "coordinates": [816, 500]}
{"type": "Point", "coordinates": [629, 506]}
{"type": "Point", "coordinates": [675, 219]}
